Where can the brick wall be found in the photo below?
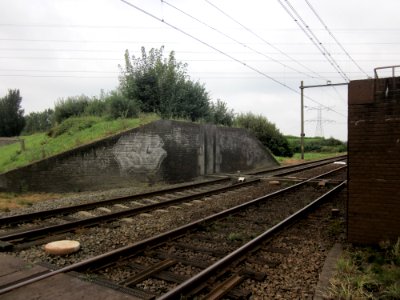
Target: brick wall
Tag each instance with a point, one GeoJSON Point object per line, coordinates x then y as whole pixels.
{"type": "Point", "coordinates": [161, 151]}
{"type": "Point", "coordinates": [374, 160]}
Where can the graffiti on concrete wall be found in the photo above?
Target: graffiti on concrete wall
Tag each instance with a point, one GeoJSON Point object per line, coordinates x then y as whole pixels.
{"type": "Point", "coordinates": [139, 153]}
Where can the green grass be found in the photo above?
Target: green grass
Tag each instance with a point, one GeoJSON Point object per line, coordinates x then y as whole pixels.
{"type": "Point", "coordinates": [76, 132]}
{"type": "Point", "coordinates": [308, 156]}
{"type": "Point", "coordinates": [368, 273]}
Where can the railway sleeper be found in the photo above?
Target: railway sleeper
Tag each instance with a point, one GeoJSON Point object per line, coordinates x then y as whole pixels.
{"type": "Point", "coordinates": [163, 275]}
{"type": "Point", "coordinates": [148, 272]}
{"type": "Point", "coordinates": [135, 292]}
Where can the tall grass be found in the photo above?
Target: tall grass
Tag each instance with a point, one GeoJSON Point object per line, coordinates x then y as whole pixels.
{"type": "Point", "coordinates": [368, 273]}
{"type": "Point", "coordinates": [73, 133]}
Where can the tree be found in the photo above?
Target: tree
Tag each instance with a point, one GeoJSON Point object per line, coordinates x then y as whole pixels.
{"type": "Point", "coordinates": [11, 114]}
{"type": "Point", "coordinates": [266, 132]}
{"type": "Point", "coordinates": [221, 114]}
{"type": "Point", "coordinates": [39, 121]}
{"type": "Point", "coordinates": [161, 85]}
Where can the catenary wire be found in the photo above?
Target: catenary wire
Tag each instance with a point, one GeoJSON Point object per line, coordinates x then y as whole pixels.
{"type": "Point", "coordinates": [334, 38]}
{"type": "Point", "coordinates": [291, 11]}
{"type": "Point", "coordinates": [262, 39]}
{"type": "Point", "coordinates": [235, 40]}
{"type": "Point", "coordinates": [151, 42]}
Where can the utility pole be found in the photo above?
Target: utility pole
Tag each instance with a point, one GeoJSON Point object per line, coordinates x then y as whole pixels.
{"type": "Point", "coordinates": [302, 121]}
{"type": "Point", "coordinates": [302, 87]}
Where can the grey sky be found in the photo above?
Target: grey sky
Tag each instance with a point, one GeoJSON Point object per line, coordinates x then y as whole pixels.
{"type": "Point", "coordinates": [55, 49]}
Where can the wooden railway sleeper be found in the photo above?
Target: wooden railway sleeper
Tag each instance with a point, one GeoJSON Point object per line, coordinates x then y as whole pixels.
{"type": "Point", "coordinates": [224, 287]}
{"type": "Point", "coordinates": [143, 275]}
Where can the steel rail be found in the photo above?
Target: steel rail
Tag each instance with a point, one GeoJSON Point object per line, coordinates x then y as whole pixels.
{"type": "Point", "coordinates": [110, 258]}
{"type": "Point", "coordinates": [207, 273]}
{"type": "Point", "coordinates": [64, 210]}
{"type": "Point", "coordinates": [38, 232]}
{"type": "Point", "coordinates": [299, 167]}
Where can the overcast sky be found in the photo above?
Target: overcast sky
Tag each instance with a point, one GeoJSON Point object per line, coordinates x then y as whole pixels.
{"type": "Point", "coordinates": [252, 54]}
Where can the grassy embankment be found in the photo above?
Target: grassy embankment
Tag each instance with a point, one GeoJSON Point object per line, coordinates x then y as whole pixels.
{"type": "Point", "coordinates": [71, 133]}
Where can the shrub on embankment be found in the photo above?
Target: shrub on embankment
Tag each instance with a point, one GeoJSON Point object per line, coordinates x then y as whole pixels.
{"type": "Point", "coordinates": [71, 133]}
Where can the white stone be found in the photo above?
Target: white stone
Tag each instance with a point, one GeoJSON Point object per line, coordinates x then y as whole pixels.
{"type": "Point", "coordinates": [127, 220]}
{"type": "Point", "coordinates": [62, 247]}
{"type": "Point", "coordinates": [274, 182]}
{"type": "Point", "coordinates": [241, 179]}
{"type": "Point", "coordinates": [121, 206]}
{"type": "Point", "coordinates": [175, 207]}
{"type": "Point", "coordinates": [151, 201]}
{"type": "Point", "coordinates": [84, 214]}
{"type": "Point", "coordinates": [146, 215]}
{"type": "Point", "coordinates": [137, 203]}
{"type": "Point", "coordinates": [197, 201]}
{"type": "Point", "coordinates": [104, 210]}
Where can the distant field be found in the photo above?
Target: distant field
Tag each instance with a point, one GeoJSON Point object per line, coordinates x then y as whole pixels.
{"type": "Point", "coordinates": [307, 157]}
{"type": "Point", "coordinates": [67, 135]}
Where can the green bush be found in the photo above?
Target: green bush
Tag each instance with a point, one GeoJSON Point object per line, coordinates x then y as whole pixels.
{"type": "Point", "coordinates": [96, 107]}
{"type": "Point", "coordinates": [70, 107]}
{"type": "Point", "coordinates": [119, 106]}
{"type": "Point", "coordinates": [220, 114]}
{"type": "Point", "coordinates": [318, 144]}
{"type": "Point", "coordinates": [266, 132]}
{"type": "Point", "coordinates": [72, 125]}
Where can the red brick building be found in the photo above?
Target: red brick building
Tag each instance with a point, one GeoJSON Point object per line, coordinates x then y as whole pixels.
{"type": "Point", "coordinates": [374, 160]}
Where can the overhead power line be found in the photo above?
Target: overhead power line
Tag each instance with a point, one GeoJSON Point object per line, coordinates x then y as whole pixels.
{"type": "Point", "coordinates": [180, 52]}
{"type": "Point", "coordinates": [221, 52]}
{"type": "Point", "coordinates": [334, 38]}
{"type": "Point", "coordinates": [292, 12]}
{"type": "Point", "coordinates": [235, 40]}
{"type": "Point", "coordinates": [158, 42]}
{"type": "Point", "coordinates": [262, 39]}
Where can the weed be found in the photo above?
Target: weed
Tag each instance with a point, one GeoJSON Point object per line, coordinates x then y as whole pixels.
{"type": "Point", "coordinates": [233, 236]}
{"type": "Point", "coordinates": [368, 273]}
{"type": "Point", "coordinates": [392, 291]}
{"type": "Point", "coordinates": [335, 228]}
{"type": "Point", "coordinates": [24, 202]}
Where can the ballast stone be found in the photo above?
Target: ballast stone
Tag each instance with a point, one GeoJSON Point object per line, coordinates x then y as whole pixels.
{"type": "Point", "coordinates": [62, 247]}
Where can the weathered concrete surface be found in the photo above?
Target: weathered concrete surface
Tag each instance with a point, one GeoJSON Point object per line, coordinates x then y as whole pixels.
{"type": "Point", "coordinates": [322, 289]}
{"type": "Point", "coordinates": [61, 286]}
{"type": "Point", "coordinates": [164, 150]}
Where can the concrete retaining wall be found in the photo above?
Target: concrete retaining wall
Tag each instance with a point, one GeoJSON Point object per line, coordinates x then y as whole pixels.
{"type": "Point", "coordinates": [374, 160]}
{"type": "Point", "coordinates": [161, 151]}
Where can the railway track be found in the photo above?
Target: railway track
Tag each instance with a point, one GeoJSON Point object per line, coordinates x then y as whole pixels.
{"type": "Point", "coordinates": [287, 170]}
{"type": "Point", "coordinates": [244, 226]}
{"type": "Point", "coordinates": [26, 237]}
{"type": "Point", "coordinates": [141, 198]}
{"type": "Point", "coordinates": [158, 195]}
{"type": "Point", "coordinates": [98, 212]}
